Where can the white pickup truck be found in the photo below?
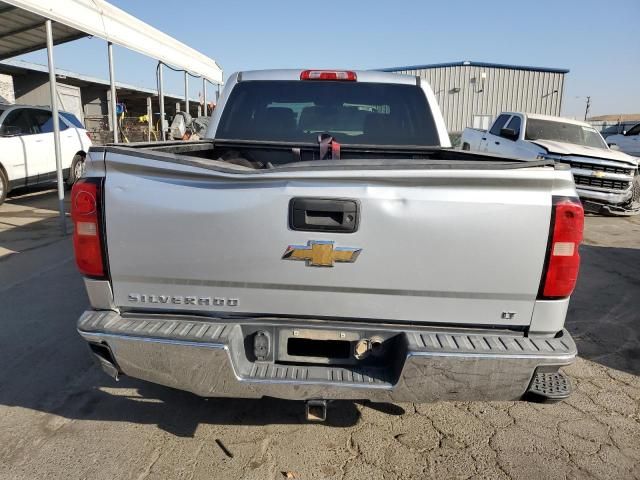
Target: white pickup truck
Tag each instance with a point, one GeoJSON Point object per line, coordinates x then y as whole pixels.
{"type": "Point", "coordinates": [27, 149]}
{"type": "Point", "coordinates": [325, 242]}
{"type": "Point", "coordinates": [606, 179]}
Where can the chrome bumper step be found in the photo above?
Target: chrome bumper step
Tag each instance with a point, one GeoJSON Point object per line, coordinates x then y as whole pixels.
{"type": "Point", "coordinates": [209, 357]}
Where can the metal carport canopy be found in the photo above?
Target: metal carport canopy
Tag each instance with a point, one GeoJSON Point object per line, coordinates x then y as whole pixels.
{"type": "Point", "coordinates": [22, 30]}
{"type": "Point", "coordinates": [29, 25]}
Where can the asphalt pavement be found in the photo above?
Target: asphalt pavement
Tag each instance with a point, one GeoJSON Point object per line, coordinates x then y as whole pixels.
{"type": "Point", "coordinates": [61, 417]}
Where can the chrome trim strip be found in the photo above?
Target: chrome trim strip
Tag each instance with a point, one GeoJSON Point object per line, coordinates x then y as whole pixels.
{"type": "Point", "coordinates": [598, 161]}
{"type": "Point", "coordinates": [557, 157]}
{"type": "Point", "coordinates": [604, 190]}
{"type": "Point", "coordinates": [604, 196]}
{"type": "Point", "coordinates": [167, 341]}
{"type": "Point", "coordinates": [318, 288]}
{"type": "Point", "coordinates": [600, 175]}
{"type": "Point", "coordinates": [327, 383]}
{"type": "Point", "coordinates": [566, 357]}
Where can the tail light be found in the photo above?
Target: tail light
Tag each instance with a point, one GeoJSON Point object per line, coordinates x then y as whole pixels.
{"type": "Point", "coordinates": [563, 259]}
{"type": "Point", "coordinates": [86, 213]}
{"type": "Point", "coordinates": [329, 75]}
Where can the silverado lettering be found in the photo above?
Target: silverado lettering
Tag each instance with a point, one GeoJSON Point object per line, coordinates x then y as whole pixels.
{"type": "Point", "coordinates": [183, 300]}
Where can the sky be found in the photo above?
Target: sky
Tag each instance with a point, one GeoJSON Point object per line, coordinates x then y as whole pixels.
{"type": "Point", "coordinates": [597, 41]}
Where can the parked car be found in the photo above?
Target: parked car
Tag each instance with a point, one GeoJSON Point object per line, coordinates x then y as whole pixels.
{"type": "Point", "coordinates": [628, 141]}
{"type": "Point", "coordinates": [27, 151]}
{"type": "Point", "coordinates": [607, 180]}
{"type": "Point", "coordinates": [326, 242]}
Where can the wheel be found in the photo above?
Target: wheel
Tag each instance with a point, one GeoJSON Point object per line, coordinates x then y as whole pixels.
{"type": "Point", "coordinates": [4, 186]}
{"type": "Point", "coordinates": [77, 169]}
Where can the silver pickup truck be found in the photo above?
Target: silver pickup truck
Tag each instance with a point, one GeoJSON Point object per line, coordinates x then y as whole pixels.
{"type": "Point", "coordinates": [326, 243]}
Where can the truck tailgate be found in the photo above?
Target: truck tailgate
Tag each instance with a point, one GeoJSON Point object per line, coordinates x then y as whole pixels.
{"type": "Point", "coordinates": [443, 246]}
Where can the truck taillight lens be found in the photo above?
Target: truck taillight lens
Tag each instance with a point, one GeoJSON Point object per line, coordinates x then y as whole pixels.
{"type": "Point", "coordinates": [563, 258]}
{"type": "Point", "coordinates": [341, 75]}
{"type": "Point", "coordinates": [87, 235]}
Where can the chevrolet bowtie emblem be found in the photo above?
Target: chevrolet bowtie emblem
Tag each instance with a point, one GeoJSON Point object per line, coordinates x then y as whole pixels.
{"type": "Point", "coordinates": [318, 253]}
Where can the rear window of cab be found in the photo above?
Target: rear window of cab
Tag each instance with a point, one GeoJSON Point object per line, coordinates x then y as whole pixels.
{"type": "Point", "coordinates": [351, 112]}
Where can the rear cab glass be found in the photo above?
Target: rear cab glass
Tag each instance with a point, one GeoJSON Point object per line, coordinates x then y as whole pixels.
{"type": "Point", "coordinates": [515, 124]}
{"type": "Point", "coordinates": [356, 113]}
{"type": "Point", "coordinates": [499, 124]}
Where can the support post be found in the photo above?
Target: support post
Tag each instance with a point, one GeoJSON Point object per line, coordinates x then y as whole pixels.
{"type": "Point", "coordinates": [56, 124]}
{"type": "Point", "coordinates": [186, 92]}
{"type": "Point", "coordinates": [586, 110]}
{"type": "Point", "coordinates": [161, 100]}
{"type": "Point", "coordinates": [204, 97]}
{"type": "Point", "coordinates": [149, 119]}
{"type": "Point", "coordinates": [114, 100]}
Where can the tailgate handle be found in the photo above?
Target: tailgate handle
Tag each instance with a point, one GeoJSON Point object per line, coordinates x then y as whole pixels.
{"type": "Point", "coordinates": [323, 215]}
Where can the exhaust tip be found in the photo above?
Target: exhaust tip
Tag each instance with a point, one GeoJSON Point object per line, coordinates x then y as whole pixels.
{"type": "Point", "coordinates": [366, 346]}
{"type": "Point", "coordinates": [377, 346]}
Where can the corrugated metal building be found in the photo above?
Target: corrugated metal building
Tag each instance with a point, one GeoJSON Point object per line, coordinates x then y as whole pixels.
{"type": "Point", "coordinates": [472, 94]}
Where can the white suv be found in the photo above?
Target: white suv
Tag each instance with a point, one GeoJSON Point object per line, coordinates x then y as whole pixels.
{"type": "Point", "coordinates": [27, 149]}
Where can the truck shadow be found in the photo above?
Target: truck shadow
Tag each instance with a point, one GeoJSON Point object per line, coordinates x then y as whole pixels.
{"type": "Point", "coordinates": [180, 413]}
{"type": "Point", "coordinates": [604, 313]}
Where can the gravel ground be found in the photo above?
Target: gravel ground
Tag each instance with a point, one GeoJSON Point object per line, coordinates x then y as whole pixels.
{"type": "Point", "coordinates": [60, 417]}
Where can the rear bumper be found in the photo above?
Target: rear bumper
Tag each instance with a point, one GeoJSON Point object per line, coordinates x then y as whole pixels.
{"type": "Point", "coordinates": [209, 359]}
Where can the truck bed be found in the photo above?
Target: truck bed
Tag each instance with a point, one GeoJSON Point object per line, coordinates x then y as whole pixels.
{"type": "Point", "coordinates": [215, 155]}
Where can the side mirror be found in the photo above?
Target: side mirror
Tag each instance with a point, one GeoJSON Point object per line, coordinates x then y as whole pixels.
{"type": "Point", "coordinates": [613, 146]}
{"type": "Point", "coordinates": [509, 133]}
